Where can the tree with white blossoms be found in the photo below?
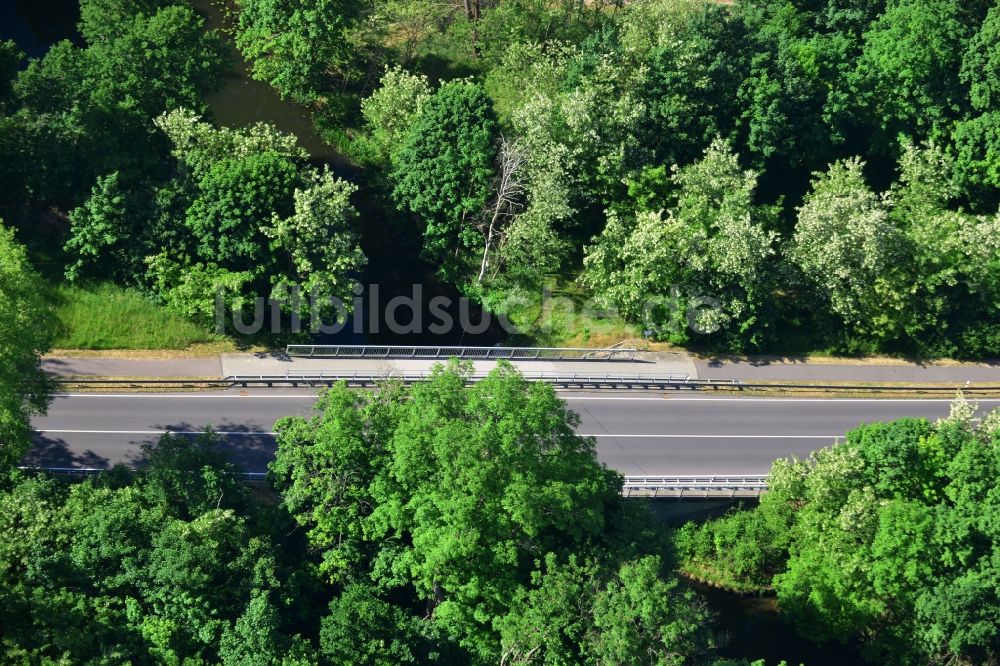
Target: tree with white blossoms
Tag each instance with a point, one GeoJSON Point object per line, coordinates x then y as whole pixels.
{"type": "Point", "coordinates": [577, 140]}
{"type": "Point", "coordinates": [712, 248]}
{"type": "Point", "coordinates": [198, 144]}
{"type": "Point", "coordinates": [904, 266]}
{"type": "Point", "coordinates": [594, 126]}
{"type": "Point", "coordinates": [848, 249]}
{"type": "Point", "coordinates": [391, 109]}
{"type": "Point", "coordinates": [938, 248]}
{"type": "Point", "coordinates": [190, 288]}
{"type": "Point", "coordinates": [318, 239]}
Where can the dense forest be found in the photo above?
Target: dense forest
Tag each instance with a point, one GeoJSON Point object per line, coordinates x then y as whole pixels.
{"type": "Point", "coordinates": [764, 175]}
{"type": "Point", "coordinates": [388, 538]}
{"type": "Point", "coordinates": [468, 524]}
{"type": "Point", "coordinates": [767, 175]}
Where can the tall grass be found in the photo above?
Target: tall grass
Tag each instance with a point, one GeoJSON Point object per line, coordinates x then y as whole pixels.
{"type": "Point", "coordinates": [106, 316]}
{"type": "Point", "coordinates": [566, 319]}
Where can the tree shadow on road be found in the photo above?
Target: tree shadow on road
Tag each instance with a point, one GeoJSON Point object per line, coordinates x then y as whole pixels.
{"type": "Point", "coordinates": [249, 447]}
{"type": "Point", "coordinates": [57, 452]}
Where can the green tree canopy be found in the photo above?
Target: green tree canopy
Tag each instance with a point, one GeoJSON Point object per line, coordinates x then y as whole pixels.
{"type": "Point", "coordinates": [711, 48]}
{"type": "Point", "coordinates": [888, 538]}
{"type": "Point", "coordinates": [101, 233]}
{"type": "Point", "coordinates": [10, 61]}
{"type": "Point", "coordinates": [299, 46]}
{"type": "Point", "coordinates": [447, 497]}
{"type": "Point", "coordinates": [243, 211]}
{"type": "Point", "coordinates": [391, 109]}
{"type": "Point", "coordinates": [173, 564]}
{"type": "Point", "coordinates": [236, 197]}
{"type": "Point", "coordinates": [910, 63]}
{"type": "Point", "coordinates": [981, 64]}
{"type": "Point", "coordinates": [576, 613]}
{"type": "Point", "coordinates": [711, 243]}
{"type": "Point", "coordinates": [444, 168]}
{"type": "Point", "coordinates": [105, 20]}
{"type": "Point", "coordinates": [26, 331]}
{"type": "Point", "coordinates": [83, 112]}
{"type": "Point", "coordinates": [978, 137]}
{"type": "Point", "coordinates": [847, 248]}
{"type": "Point", "coordinates": [158, 63]}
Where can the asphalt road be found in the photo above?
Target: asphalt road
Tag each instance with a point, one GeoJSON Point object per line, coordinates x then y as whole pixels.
{"type": "Point", "coordinates": [637, 434]}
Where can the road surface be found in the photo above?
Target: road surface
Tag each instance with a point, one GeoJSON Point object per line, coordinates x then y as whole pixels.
{"type": "Point", "coordinates": [637, 434]}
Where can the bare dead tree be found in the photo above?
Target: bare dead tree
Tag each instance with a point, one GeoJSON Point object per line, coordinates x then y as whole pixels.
{"type": "Point", "coordinates": [473, 10]}
{"type": "Point", "coordinates": [509, 185]}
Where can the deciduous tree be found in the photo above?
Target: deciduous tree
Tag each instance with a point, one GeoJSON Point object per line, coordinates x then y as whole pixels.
{"type": "Point", "coordinates": [887, 538]}
{"type": "Point", "coordinates": [847, 248]}
{"type": "Point", "coordinates": [448, 497]}
{"type": "Point", "coordinates": [102, 234]}
{"type": "Point", "coordinates": [712, 243]}
{"type": "Point", "coordinates": [391, 110]}
{"type": "Point", "coordinates": [27, 328]}
{"type": "Point", "coordinates": [298, 47]}
{"type": "Point", "coordinates": [444, 169]}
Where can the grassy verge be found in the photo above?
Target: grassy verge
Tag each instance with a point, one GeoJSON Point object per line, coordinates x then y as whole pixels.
{"type": "Point", "coordinates": [196, 350]}
{"type": "Point", "coordinates": [567, 317]}
{"type": "Point", "coordinates": [844, 389]}
{"type": "Point", "coordinates": [139, 385]}
{"type": "Point", "coordinates": [105, 316]}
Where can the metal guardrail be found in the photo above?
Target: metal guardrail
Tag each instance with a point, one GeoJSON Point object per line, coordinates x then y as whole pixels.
{"type": "Point", "coordinates": [660, 487]}
{"type": "Point", "coordinates": [566, 380]}
{"type": "Point", "coordinates": [695, 487]}
{"type": "Point", "coordinates": [510, 353]}
{"type": "Point", "coordinates": [362, 379]}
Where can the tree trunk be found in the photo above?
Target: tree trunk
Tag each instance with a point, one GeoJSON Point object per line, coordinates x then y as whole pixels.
{"type": "Point", "coordinates": [486, 249]}
{"type": "Point", "coordinates": [473, 12]}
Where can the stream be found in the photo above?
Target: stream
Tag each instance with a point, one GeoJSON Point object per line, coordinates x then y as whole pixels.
{"type": "Point", "coordinates": [241, 100]}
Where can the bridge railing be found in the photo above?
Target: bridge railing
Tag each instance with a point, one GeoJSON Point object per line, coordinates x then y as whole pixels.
{"type": "Point", "coordinates": [567, 380]}
{"type": "Point", "coordinates": [695, 487]}
{"type": "Point", "coordinates": [473, 353]}
{"type": "Point", "coordinates": [660, 487]}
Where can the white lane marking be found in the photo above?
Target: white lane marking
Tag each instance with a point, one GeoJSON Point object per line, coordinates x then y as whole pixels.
{"type": "Point", "coordinates": [677, 436]}
{"type": "Point", "coordinates": [569, 397]}
{"type": "Point", "coordinates": [709, 398]}
{"type": "Point", "coordinates": [239, 433]}
{"type": "Point", "coordinates": [224, 433]}
{"type": "Point", "coordinates": [565, 396]}
{"type": "Point", "coordinates": [190, 396]}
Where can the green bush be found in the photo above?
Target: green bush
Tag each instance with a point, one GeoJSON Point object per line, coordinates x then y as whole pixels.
{"type": "Point", "coordinates": [739, 550]}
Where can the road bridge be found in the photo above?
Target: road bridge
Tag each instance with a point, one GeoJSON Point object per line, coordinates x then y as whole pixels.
{"type": "Point", "coordinates": [643, 435]}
